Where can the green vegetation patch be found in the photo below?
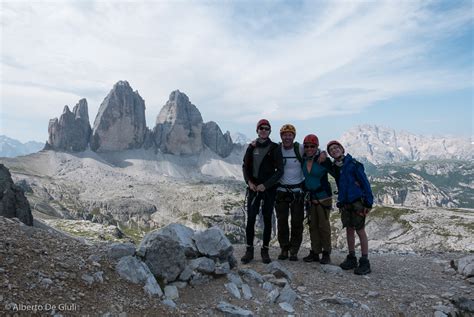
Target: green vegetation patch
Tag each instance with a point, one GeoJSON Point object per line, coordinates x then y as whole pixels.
{"type": "Point", "coordinates": [197, 218]}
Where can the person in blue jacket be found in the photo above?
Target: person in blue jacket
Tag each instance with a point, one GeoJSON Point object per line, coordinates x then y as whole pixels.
{"type": "Point", "coordinates": [355, 200]}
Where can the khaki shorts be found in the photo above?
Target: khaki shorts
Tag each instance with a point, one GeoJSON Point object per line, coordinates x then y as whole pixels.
{"type": "Point", "coordinates": [350, 218]}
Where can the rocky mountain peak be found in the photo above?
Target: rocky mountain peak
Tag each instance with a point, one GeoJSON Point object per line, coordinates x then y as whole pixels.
{"type": "Point", "coordinates": [120, 123]}
{"type": "Point", "coordinates": [179, 126]}
{"type": "Point", "coordinates": [178, 109]}
{"type": "Point", "coordinates": [219, 143]}
{"type": "Point", "coordinates": [81, 110]}
{"type": "Point", "coordinates": [72, 131]}
{"type": "Point", "coordinates": [66, 110]}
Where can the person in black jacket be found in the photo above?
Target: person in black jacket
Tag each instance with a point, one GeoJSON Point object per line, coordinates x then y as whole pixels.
{"type": "Point", "coordinates": [262, 168]}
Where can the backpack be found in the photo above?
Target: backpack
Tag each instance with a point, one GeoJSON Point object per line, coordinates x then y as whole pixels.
{"type": "Point", "coordinates": [296, 148]}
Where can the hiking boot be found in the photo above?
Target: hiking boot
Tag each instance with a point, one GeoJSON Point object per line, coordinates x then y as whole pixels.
{"type": "Point", "coordinates": [283, 255]}
{"type": "Point", "coordinates": [293, 257]}
{"type": "Point", "coordinates": [349, 263]}
{"type": "Point", "coordinates": [248, 256]}
{"type": "Point", "coordinates": [326, 259]}
{"type": "Point", "coordinates": [363, 268]}
{"type": "Point", "coordinates": [312, 257]}
{"type": "Point", "coordinates": [265, 257]}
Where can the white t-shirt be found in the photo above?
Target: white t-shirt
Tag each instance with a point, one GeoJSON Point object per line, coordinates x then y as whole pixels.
{"type": "Point", "coordinates": [292, 172]}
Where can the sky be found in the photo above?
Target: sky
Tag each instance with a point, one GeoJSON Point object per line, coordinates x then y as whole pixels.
{"type": "Point", "coordinates": [324, 66]}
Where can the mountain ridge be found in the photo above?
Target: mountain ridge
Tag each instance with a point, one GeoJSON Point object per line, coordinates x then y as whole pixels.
{"type": "Point", "coordinates": [382, 145]}
{"type": "Point", "coordinates": [10, 147]}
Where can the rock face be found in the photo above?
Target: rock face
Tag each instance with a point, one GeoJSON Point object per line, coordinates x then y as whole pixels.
{"type": "Point", "coordinates": [219, 143]}
{"type": "Point", "coordinates": [13, 202]}
{"type": "Point", "coordinates": [443, 183]}
{"type": "Point", "coordinates": [179, 126]}
{"type": "Point", "coordinates": [120, 123]}
{"type": "Point", "coordinates": [72, 131]}
{"type": "Point", "coordinates": [415, 192]}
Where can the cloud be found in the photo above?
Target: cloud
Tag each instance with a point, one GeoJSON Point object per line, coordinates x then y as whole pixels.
{"type": "Point", "coordinates": [238, 60]}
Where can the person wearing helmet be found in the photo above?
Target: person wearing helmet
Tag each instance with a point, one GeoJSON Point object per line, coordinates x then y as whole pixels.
{"type": "Point", "coordinates": [320, 200]}
{"type": "Point", "coordinates": [289, 195]}
{"type": "Point", "coordinates": [262, 168]}
{"type": "Point", "coordinates": [355, 200]}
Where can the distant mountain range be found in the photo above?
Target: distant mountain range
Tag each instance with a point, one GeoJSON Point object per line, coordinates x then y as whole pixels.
{"type": "Point", "coordinates": [381, 145]}
{"type": "Point", "coordinates": [11, 148]}
{"type": "Point", "coordinates": [240, 138]}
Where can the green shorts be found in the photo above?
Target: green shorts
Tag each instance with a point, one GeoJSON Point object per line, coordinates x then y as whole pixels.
{"type": "Point", "coordinates": [350, 218]}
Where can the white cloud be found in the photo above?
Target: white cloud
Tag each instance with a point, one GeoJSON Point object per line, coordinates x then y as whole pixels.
{"type": "Point", "coordinates": [318, 58]}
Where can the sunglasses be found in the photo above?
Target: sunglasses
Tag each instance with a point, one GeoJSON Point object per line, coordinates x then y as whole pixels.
{"type": "Point", "coordinates": [311, 146]}
{"type": "Point", "coordinates": [264, 128]}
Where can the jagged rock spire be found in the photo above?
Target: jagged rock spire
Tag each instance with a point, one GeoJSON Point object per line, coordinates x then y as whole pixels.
{"type": "Point", "coordinates": [72, 131]}
{"type": "Point", "coordinates": [219, 143]}
{"type": "Point", "coordinates": [179, 126]}
{"type": "Point", "coordinates": [120, 123]}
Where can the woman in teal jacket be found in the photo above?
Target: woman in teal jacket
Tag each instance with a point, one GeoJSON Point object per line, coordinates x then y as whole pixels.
{"type": "Point", "coordinates": [320, 200]}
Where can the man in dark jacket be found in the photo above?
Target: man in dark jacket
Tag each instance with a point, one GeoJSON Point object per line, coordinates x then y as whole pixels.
{"type": "Point", "coordinates": [355, 200]}
{"type": "Point", "coordinates": [262, 168]}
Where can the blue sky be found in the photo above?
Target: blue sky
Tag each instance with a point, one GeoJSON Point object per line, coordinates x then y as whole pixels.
{"type": "Point", "coordinates": [324, 66]}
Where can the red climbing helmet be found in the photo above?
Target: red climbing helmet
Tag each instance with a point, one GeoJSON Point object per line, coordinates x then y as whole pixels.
{"type": "Point", "coordinates": [311, 139]}
{"type": "Point", "coordinates": [263, 122]}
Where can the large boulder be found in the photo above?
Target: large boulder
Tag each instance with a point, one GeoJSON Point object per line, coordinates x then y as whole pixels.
{"type": "Point", "coordinates": [164, 256]}
{"type": "Point", "coordinates": [72, 131]}
{"type": "Point", "coordinates": [135, 271]}
{"type": "Point", "coordinates": [179, 126]}
{"type": "Point", "coordinates": [13, 203]}
{"type": "Point", "coordinates": [120, 123]}
{"type": "Point", "coordinates": [466, 266]}
{"type": "Point", "coordinates": [181, 234]}
{"type": "Point", "coordinates": [214, 244]}
{"type": "Point", "coordinates": [219, 143]}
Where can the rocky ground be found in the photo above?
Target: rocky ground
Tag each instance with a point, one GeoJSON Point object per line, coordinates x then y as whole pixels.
{"type": "Point", "coordinates": [45, 268]}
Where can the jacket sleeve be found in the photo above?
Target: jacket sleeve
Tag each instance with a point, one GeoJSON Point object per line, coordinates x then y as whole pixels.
{"type": "Point", "coordinates": [278, 161]}
{"type": "Point", "coordinates": [364, 182]}
{"type": "Point", "coordinates": [246, 164]}
{"type": "Point", "coordinates": [330, 167]}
